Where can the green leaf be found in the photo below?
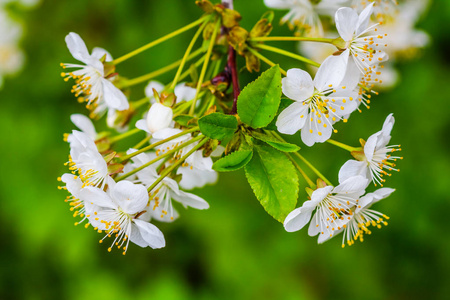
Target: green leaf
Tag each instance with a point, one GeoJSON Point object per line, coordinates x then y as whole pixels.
{"type": "Point", "coordinates": [218, 126]}
{"type": "Point", "coordinates": [258, 102]}
{"type": "Point", "coordinates": [274, 181]}
{"type": "Point", "coordinates": [233, 161]}
{"type": "Point", "coordinates": [184, 120]}
{"type": "Point", "coordinates": [283, 104]}
{"type": "Point", "coordinates": [274, 142]}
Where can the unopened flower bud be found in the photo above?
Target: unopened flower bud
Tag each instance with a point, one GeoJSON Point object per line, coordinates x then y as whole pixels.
{"type": "Point", "coordinates": [159, 117]}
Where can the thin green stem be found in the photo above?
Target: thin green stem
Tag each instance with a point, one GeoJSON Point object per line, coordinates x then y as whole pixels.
{"type": "Point", "coordinates": [167, 154]}
{"type": "Point", "coordinates": [156, 73]}
{"type": "Point", "coordinates": [187, 72]}
{"type": "Point", "coordinates": [205, 66]}
{"type": "Point", "coordinates": [180, 109]}
{"type": "Point", "coordinates": [265, 59]}
{"type": "Point", "coordinates": [290, 38]}
{"type": "Point", "coordinates": [176, 164]}
{"type": "Point", "coordinates": [150, 147]}
{"type": "Point", "coordinates": [141, 143]}
{"type": "Point", "coordinates": [139, 103]}
{"type": "Point", "coordinates": [186, 55]}
{"type": "Point", "coordinates": [124, 135]}
{"type": "Point", "coordinates": [320, 175]}
{"type": "Point", "coordinates": [343, 146]}
{"type": "Point", "coordinates": [158, 41]}
{"type": "Point", "coordinates": [308, 180]}
{"type": "Point", "coordinates": [288, 54]}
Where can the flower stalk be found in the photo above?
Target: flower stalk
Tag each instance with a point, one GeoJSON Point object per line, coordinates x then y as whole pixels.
{"type": "Point", "coordinates": [165, 155]}
{"type": "Point", "coordinates": [205, 66]}
{"type": "Point", "coordinates": [288, 54]}
{"type": "Point", "coordinates": [158, 41]}
{"type": "Point", "coordinates": [343, 146]}
{"type": "Point", "coordinates": [152, 146]}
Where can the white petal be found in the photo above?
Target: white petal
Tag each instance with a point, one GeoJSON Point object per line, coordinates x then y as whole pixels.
{"type": "Point", "coordinates": [364, 18]}
{"type": "Point", "coordinates": [166, 133]}
{"type": "Point", "coordinates": [353, 184]}
{"type": "Point", "coordinates": [98, 53]}
{"type": "Point", "coordinates": [313, 229]}
{"type": "Point", "coordinates": [136, 237]}
{"type": "Point", "coordinates": [279, 4]}
{"type": "Point", "coordinates": [342, 103]}
{"type": "Point", "coordinates": [77, 47]}
{"type": "Point", "coordinates": [159, 117]}
{"type": "Point", "coordinates": [158, 215]}
{"type": "Point", "coordinates": [84, 124]}
{"type": "Point", "coordinates": [297, 219]}
{"type": "Point", "coordinates": [97, 197]}
{"type": "Point", "coordinates": [388, 125]}
{"type": "Point", "coordinates": [151, 234]}
{"type": "Point", "coordinates": [354, 168]}
{"type": "Point", "coordinates": [292, 118]}
{"type": "Point", "coordinates": [184, 92]}
{"type": "Point", "coordinates": [371, 143]}
{"type": "Point", "coordinates": [195, 178]}
{"type": "Point", "coordinates": [352, 75]}
{"type": "Point", "coordinates": [346, 22]}
{"type": "Point", "coordinates": [132, 198]}
{"type": "Point", "coordinates": [318, 195]}
{"type": "Point", "coordinates": [308, 138]}
{"type": "Point", "coordinates": [331, 72]}
{"type": "Point", "coordinates": [382, 194]}
{"type": "Point", "coordinates": [142, 125]}
{"type": "Point", "coordinates": [114, 97]}
{"type": "Point", "coordinates": [297, 85]}
{"type": "Point", "coordinates": [188, 199]}
{"type": "Point", "coordinates": [73, 185]}
{"type": "Point", "coordinates": [158, 86]}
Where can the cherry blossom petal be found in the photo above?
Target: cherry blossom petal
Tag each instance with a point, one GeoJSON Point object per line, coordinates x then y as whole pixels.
{"type": "Point", "coordinates": [292, 118]}
{"type": "Point", "coordinates": [353, 168]}
{"type": "Point", "coordinates": [114, 97]}
{"type": "Point", "coordinates": [132, 198]}
{"type": "Point", "coordinates": [346, 22]}
{"type": "Point", "coordinates": [84, 124]}
{"type": "Point", "coordinates": [297, 85]}
{"type": "Point", "coordinates": [150, 234]}
{"type": "Point", "coordinates": [331, 72]}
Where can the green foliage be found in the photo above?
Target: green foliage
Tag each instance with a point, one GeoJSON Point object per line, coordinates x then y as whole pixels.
{"type": "Point", "coordinates": [258, 102]}
{"type": "Point", "coordinates": [274, 181]}
{"type": "Point", "coordinates": [233, 161]}
{"type": "Point", "coordinates": [184, 120]}
{"type": "Point", "coordinates": [218, 126]}
{"type": "Point", "coordinates": [274, 142]}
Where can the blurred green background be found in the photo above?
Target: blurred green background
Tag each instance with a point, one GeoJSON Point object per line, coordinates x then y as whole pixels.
{"type": "Point", "coordinates": [234, 250]}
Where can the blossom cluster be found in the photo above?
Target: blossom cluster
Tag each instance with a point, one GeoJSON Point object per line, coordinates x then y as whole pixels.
{"type": "Point", "coordinates": [397, 22]}
{"type": "Point", "coordinates": [194, 128]}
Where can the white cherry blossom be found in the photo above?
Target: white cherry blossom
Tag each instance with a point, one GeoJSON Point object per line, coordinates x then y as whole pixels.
{"type": "Point", "coordinates": [331, 207]}
{"type": "Point", "coordinates": [362, 42]}
{"type": "Point", "coordinates": [118, 212]}
{"type": "Point", "coordinates": [86, 161]}
{"type": "Point", "coordinates": [376, 159]}
{"type": "Point", "coordinates": [93, 84]}
{"type": "Point", "coordinates": [319, 103]}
